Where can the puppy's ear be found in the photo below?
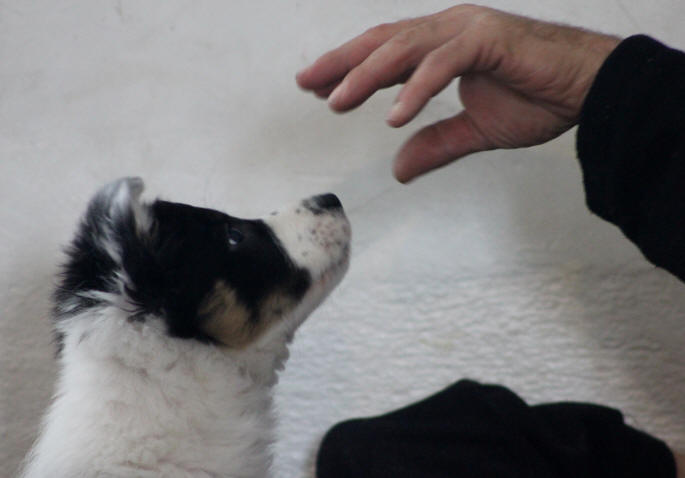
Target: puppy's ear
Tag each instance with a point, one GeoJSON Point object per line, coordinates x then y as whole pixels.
{"type": "Point", "coordinates": [117, 207]}
{"type": "Point", "coordinates": [115, 226]}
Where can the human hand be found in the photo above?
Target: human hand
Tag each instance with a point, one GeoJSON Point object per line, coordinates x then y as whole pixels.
{"type": "Point", "coordinates": [679, 464]}
{"type": "Point", "coordinates": [523, 82]}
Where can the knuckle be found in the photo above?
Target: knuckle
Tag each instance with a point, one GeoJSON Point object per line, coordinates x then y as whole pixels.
{"type": "Point", "coordinates": [466, 9]}
{"type": "Point", "coordinates": [380, 32]}
{"type": "Point", "coordinates": [476, 16]}
{"type": "Point", "coordinates": [472, 7]}
{"type": "Point", "coordinates": [482, 21]}
{"type": "Point", "coordinates": [406, 38]}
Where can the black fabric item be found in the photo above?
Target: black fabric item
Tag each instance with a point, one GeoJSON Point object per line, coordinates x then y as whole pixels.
{"type": "Point", "coordinates": [631, 146]}
{"type": "Point", "coordinates": [483, 431]}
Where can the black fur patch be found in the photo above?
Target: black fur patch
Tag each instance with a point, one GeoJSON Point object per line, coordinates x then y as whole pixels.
{"type": "Point", "coordinates": [173, 266]}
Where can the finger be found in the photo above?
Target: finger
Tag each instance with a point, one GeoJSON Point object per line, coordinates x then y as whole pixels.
{"type": "Point", "coordinates": [390, 63]}
{"type": "Point", "coordinates": [326, 91]}
{"type": "Point", "coordinates": [460, 55]}
{"type": "Point", "coordinates": [334, 65]}
{"type": "Point", "coordinates": [437, 145]}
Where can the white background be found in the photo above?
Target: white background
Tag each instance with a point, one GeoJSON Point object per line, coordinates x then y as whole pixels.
{"type": "Point", "coordinates": [491, 269]}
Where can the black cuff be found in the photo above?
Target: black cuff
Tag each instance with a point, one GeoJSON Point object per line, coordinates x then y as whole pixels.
{"type": "Point", "coordinates": [630, 83]}
{"type": "Point", "coordinates": [632, 149]}
{"type": "Point", "coordinates": [484, 431]}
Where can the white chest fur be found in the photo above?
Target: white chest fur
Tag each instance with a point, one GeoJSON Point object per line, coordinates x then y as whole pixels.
{"type": "Point", "coordinates": [146, 404]}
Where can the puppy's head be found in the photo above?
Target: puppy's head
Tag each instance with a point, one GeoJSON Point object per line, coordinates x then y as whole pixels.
{"type": "Point", "coordinates": [207, 275]}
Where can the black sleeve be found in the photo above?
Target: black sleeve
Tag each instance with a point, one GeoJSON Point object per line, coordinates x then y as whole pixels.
{"type": "Point", "coordinates": [631, 146]}
{"type": "Point", "coordinates": [471, 430]}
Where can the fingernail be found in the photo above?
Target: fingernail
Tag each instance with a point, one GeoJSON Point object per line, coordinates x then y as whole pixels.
{"type": "Point", "coordinates": [395, 112]}
{"type": "Point", "coordinates": [399, 173]}
{"type": "Point", "coordinates": [336, 94]}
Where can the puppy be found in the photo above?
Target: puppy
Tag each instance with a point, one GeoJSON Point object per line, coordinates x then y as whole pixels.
{"type": "Point", "coordinates": [171, 323]}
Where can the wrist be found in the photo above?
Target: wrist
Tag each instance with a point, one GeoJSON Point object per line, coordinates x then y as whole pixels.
{"type": "Point", "coordinates": [679, 465]}
{"type": "Point", "coordinates": [598, 47]}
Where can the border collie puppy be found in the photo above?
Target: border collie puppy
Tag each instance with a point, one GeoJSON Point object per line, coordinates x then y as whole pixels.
{"type": "Point", "coordinates": [172, 322]}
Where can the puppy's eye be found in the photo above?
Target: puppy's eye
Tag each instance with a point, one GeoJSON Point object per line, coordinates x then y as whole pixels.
{"type": "Point", "coordinates": [235, 237]}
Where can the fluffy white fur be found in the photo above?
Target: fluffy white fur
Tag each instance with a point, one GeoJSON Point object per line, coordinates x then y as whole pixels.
{"type": "Point", "coordinates": [132, 401]}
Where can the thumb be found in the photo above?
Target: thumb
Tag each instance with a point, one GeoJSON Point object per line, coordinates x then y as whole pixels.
{"type": "Point", "coordinates": [437, 145]}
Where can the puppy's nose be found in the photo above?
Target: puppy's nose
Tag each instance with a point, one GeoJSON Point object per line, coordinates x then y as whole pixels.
{"type": "Point", "coordinates": [327, 201]}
